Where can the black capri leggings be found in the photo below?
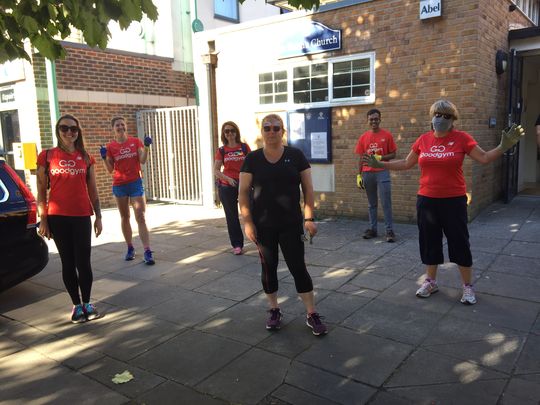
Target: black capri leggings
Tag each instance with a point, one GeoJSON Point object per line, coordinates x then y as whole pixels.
{"type": "Point", "coordinates": [72, 236]}
{"type": "Point", "coordinates": [448, 215]}
{"type": "Point", "coordinates": [292, 246]}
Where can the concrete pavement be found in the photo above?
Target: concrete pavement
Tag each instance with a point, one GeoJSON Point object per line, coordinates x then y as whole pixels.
{"type": "Point", "coordinates": [191, 328]}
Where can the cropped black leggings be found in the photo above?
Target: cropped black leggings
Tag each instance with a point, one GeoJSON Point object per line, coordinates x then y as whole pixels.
{"type": "Point", "coordinates": [292, 246]}
{"type": "Point", "coordinates": [72, 236]}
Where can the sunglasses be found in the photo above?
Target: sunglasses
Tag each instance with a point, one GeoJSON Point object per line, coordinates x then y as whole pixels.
{"type": "Point", "coordinates": [65, 128]}
{"type": "Point", "coordinates": [229, 131]}
{"type": "Point", "coordinates": [446, 116]}
{"type": "Point", "coordinates": [268, 128]}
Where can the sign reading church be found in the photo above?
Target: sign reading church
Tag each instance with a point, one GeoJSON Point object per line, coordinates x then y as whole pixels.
{"type": "Point", "coordinates": [430, 9]}
{"type": "Point", "coordinates": [308, 38]}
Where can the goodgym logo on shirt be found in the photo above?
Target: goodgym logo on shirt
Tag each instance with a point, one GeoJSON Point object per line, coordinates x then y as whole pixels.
{"type": "Point", "coordinates": [438, 152]}
{"type": "Point", "coordinates": [374, 148]}
{"type": "Point", "coordinates": [67, 167]}
{"type": "Point", "coordinates": [234, 156]}
{"type": "Point", "coordinates": [126, 153]}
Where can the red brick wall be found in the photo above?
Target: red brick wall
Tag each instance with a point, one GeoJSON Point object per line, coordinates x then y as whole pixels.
{"type": "Point", "coordinates": [113, 71]}
{"type": "Point", "coordinates": [417, 63]}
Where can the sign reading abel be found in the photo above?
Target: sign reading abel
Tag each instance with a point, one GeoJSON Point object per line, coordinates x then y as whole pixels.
{"type": "Point", "coordinates": [430, 9]}
{"type": "Point", "coordinates": [308, 38]}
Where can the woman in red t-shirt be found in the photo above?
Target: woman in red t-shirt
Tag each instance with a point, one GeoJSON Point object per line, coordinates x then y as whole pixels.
{"type": "Point", "coordinates": [123, 158]}
{"type": "Point", "coordinates": [230, 156]}
{"type": "Point", "coordinates": [65, 213]}
{"type": "Point", "coordinates": [442, 200]}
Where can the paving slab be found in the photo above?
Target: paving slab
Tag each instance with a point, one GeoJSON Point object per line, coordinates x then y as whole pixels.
{"type": "Point", "coordinates": [105, 369]}
{"type": "Point", "coordinates": [292, 395]}
{"type": "Point", "coordinates": [327, 385]}
{"type": "Point", "coordinates": [399, 322]}
{"type": "Point", "coordinates": [529, 360]}
{"type": "Point", "coordinates": [171, 393]}
{"type": "Point", "coordinates": [425, 367]}
{"type": "Point", "coordinates": [364, 358]}
{"type": "Point", "coordinates": [523, 287]}
{"type": "Point", "coordinates": [522, 390]}
{"type": "Point", "coordinates": [190, 357]}
{"type": "Point", "coordinates": [474, 393]}
{"type": "Point", "coordinates": [249, 378]}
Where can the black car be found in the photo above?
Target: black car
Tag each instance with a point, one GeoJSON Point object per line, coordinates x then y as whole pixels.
{"type": "Point", "coordinates": [23, 252]}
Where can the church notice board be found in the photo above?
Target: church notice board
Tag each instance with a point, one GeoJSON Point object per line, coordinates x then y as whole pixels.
{"type": "Point", "coordinates": [310, 130]}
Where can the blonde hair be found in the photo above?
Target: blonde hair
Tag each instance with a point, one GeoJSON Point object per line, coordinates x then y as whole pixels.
{"type": "Point", "coordinates": [274, 117]}
{"type": "Point", "coordinates": [444, 107]}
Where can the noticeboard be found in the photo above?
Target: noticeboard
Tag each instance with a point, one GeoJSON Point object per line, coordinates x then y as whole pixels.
{"type": "Point", "coordinates": [310, 130]}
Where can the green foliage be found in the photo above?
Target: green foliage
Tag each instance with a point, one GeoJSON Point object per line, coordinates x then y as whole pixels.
{"type": "Point", "coordinates": [45, 22]}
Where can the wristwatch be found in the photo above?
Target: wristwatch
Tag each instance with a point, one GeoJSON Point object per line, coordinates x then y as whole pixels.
{"type": "Point", "coordinates": [309, 219]}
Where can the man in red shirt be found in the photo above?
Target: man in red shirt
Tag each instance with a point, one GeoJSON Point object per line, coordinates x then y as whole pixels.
{"type": "Point", "coordinates": [378, 142]}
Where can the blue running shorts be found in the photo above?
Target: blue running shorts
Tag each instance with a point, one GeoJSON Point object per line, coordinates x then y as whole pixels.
{"type": "Point", "coordinates": [133, 189]}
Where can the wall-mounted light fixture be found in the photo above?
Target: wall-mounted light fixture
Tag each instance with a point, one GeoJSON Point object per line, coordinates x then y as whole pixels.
{"type": "Point", "coordinates": [501, 61]}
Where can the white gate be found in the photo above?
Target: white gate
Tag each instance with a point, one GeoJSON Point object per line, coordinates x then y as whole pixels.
{"type": "Point", "coordinates": [173, 169]}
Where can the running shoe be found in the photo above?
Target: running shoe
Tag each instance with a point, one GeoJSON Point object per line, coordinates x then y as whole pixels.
{"type": "Point", "coordinates": [130, 255]}
{"type": "Point", "coordinates": [237, 251]}
{"type": "Point", "coordinates": [77, 314]}
{"type": "Point", "coordinates": [390, 236]}
{"type": "Point", "coordinates": [468, 297]}
{"type": "Point", "coordinates": [148, 257]}
{"type": "Point", "coordinates": [427, 288]}
{"type": "Point", "coordinates": [274, 321]}
{"type": "Point", "coordinates": [369, 234]}
{"type": "Point", "coordinates": [90, 311]}
{"type": "Point", "coordinates": [314, 322]}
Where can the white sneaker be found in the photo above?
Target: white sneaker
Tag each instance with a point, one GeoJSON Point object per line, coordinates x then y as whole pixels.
{"type": "Point", "coordinates": [427, 288]}
{"type": "Point", "coordinates": [468, 297]}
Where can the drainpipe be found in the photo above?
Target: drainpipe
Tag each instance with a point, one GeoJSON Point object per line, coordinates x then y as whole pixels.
{"type": "Point", "coordinates": [52, 88]}
{"type": "Point", "coordinates": [210, 60]}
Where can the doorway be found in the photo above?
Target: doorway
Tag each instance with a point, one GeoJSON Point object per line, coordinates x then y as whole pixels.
{"type": "Point", "coordinates": [9, 125]}
{"type": "Point", "coordinates": [529, 169]}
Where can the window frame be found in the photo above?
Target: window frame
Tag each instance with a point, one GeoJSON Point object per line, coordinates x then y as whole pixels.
{"type": "Point", "coordinates": [225, 17]}
{"type": "Point", "coordinates": [289, 68]}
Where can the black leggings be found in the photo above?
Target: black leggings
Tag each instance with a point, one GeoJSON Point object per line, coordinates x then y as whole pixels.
{"type": "Point", "coordinates": [292, 246]}
{"type": "Point", "coordinates": [443, 215]}
{"type": "Point", "coordinates": [72, 236]}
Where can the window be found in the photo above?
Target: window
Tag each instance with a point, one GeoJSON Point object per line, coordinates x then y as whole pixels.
{"type": "Point", "coordinates": [351, 78]}
{"type": "Point", "coordinates": [310, 83]}
{"type": "Point", "coordinates": [273, 87]}
{"type": "Point", "coordinates": [530, 8]}
{"type": "Point", "coordinates": [226, 10]}
{"type": "Point", "coordinates": [344, 80]}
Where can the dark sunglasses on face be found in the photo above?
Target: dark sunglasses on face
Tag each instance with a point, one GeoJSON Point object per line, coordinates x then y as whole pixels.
{"type": "Point", "coordinates": [275, 128]}
{"type": "Point", "coordinates": [65, 128]}
{"type": "Point", "coordinates": [446, 116]}
{"type": "Point", "coordinates": [229, 130]}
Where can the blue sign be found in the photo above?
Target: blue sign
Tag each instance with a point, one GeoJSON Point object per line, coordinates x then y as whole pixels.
{"type": "Point", "coordinates": [310, 130]}
{"type": "Point", "coordinates": [311, 37]}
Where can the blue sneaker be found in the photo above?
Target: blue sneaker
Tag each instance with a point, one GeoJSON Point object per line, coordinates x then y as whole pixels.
{"type": "Point", "coordinates": [90, 311]}
{"type": "Point", "coordinates": [77, 314]}
{"type": "Point", "coordinates": [130, 255]}
{"type": "Point", "coordinates": [148, 257]}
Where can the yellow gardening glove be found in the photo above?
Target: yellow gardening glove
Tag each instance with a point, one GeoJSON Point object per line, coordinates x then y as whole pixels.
{"type": "Point", "coordinates": [511, 137]}
{"type": "Point", "coordinates": [360, 181]}
{"type": "Point", "coordinates": [378, 157]}
{"type": "Point", "coordinates": [372, 161]}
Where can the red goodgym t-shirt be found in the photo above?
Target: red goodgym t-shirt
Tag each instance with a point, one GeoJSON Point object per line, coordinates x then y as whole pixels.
{"type": "Point", "coordinates": [440, 161]}
{"type": "Point", "coordinates": [380, 143]}
{"type": "Point", "coordinates": [232, 161]}
{"type": "Point", "coordinates": [69, 191]}
{"type": "Point", "coordinates": [127, 167]}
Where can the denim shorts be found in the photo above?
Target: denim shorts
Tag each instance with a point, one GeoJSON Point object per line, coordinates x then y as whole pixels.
{"type": "Point", "coordinates": [133, 189]}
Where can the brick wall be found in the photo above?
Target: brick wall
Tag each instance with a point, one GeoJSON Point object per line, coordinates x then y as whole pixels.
{"type": "Point", "coordinates": [115, 72]}
{"type": "Point", "coordinates": [417, 63]}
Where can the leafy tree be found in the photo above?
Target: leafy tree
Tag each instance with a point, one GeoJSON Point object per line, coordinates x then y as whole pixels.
{"type": "Point", "coordinates": [41, 21]}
